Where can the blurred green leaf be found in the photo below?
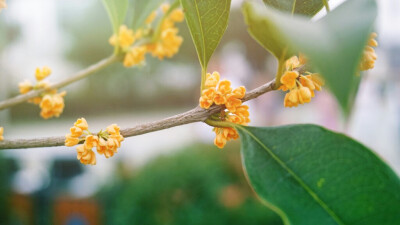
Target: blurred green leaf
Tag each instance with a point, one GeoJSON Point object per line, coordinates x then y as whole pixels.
{"type": "Point", "coordinates": [142, 9]}
{"type": "Point", "coordinates": [207, 21]}
{"type": "Point", "coordinates": [334, 44]}
{"type": "Point", "coordinates": [194, 181]}
{"type": "Point", "coordinates": [304, 7]}
{"type": "Point", "coordinates": [265, 30]}
{"type": "Point", "coordinates": [116, 10]}
{"type": "Point", "coordinates": [310, 175]}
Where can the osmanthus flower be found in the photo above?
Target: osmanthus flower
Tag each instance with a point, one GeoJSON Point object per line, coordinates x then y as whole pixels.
{"type": "Point", "coordinates": [221, 93]}
{"type": "Point", "coordinates": [124, 39]}
{"type": "Point", "coordinates": [106, 142]}
{"type": "Point", "coordinates": [135, 56]}
{"type": "Point", "coordinates": [135, 44]}
{"type": "Point", "coordinates": [40, 74]}
{"type": "Point", "coordinates": [3, 4]}
{"type": "Point", "coordinates": [50, 102]}
{"type": "Point", "coordinates": [169, 42]}
{"type": "Point", "coordinates": [301, 87]}
{"type": "Point", "coordinates": [1, 133]}
{"type": "Point", "coordinates": [369, 56]}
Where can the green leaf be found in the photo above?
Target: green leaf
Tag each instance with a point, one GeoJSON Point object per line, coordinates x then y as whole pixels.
{"type": "Point", "coordinates": [116, 10]}
{"type": "Point", "coordinates": [142, 9]}
{"type": "Point", "coordinates": [334, 44]}
{"type": "Point", "coordinates": [304, 7]}
{"type": "Point", "coordinates": [207, 21]}
{"type": "Point", "coordinates": [310, 175]}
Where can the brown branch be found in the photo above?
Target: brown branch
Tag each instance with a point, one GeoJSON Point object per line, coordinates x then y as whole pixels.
{"type": "Point", "coordinates": [195, 115]}
{"type": "Point", "coordinates": [79, 75]}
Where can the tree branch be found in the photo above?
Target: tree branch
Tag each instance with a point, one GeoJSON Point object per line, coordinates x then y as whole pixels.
{"type": "Point", "coordinates": [79, 75]}
{"type": "Point", "coordinates": [195, 115]}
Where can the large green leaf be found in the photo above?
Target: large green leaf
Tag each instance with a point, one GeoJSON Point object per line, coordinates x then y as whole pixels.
{"type": "Point", "coordinates": [207, 21]}
{"type": "Point", "coordinates": [116, 10]}
{"type": "Point", "coordinates": [310, 175]}
{"type": "Point", "coordinates": [334, 44]}
{"type": "Point", "coordinates": [142, 9]}
{"type": "Point", "coordinates": [304, 7]}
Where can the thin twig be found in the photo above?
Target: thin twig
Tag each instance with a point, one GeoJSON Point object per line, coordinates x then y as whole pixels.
{"type": "Point", "coordinates": [195, 115]}
{"type": "Point", "coordinates": [79, 75]}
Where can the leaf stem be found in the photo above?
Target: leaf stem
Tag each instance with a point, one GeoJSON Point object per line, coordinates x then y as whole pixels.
{"type": "Point", "coordinates": [203, 79]}
{"type": "Point", "coordinates": [326, 4]}
{"type": "Point", "coordinates": [293, 7]}
{"type": "Point", "coordinates": [215, 123]}
{"type": "Point", "coordinates": [281, 69]}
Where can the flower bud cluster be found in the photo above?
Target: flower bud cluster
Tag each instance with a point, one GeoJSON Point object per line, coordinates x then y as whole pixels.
{"type": "Point", "coordinates": [50, 101]}
{"type": "Point", "coordinates": [134, 45]}
{"type": "Point", "coordinates": [301, 87]}
{"type": "Point", "coordinates": [106, 142]}
{"type": "Point", "coordinates": [369, 55]}
{"type": "Point", "coordinates": [221, 93]}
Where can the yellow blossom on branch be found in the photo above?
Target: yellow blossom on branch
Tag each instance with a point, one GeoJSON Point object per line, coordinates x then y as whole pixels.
{"type": "Point", "coordinates": [106, 142]}
{"type": "Point", "coordinates": [221, 93]}
{"type": "Point", "coordinates": [50, 102]}
{"type": "Point", "coordinates": [301, 87]}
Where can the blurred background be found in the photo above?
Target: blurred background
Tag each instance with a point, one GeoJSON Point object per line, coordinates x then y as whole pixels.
{"type": "Point", "coordinates": [175, 176]}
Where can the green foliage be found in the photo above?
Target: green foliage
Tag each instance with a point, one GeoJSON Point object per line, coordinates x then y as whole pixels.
{"type": "Point", "coordinates": [142, 9]}
{"type": "Point", "coordinates": [304, 7]}
{"type": "Point", "coordinates": [187, 188]}
{"type": "Point", "coordinates": [310, 175]}
{"type": "Point", "coordinates": [334, 44]}
{"type": "Point", "coordinates": [207, 21]}
{"type": "Point", "coordinates": [116, 10]}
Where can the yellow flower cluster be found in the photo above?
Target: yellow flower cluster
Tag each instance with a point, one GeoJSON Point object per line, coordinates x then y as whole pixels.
{"type": "Point", "coordinates": [369, 55]}
{"type": "Point", "coordinates": [220, 93]}
{"type": "Point", "coordinates": [166, 45]}
{"type": "Point", "coordinates": [169, 42]}
{"type": "Point", "coordinates": [301, 87]}
{"type": "Point", "coordinates": [50, 102]}
{"type": "Point", "coordinates": [106, 142]}
{"type": "Point", "coordinates": [1, 133]}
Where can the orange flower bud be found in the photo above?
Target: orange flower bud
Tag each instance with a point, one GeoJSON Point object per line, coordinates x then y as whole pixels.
{"type": "Point", "coordinates": [232, 103]}
{"type": "Point", "coordinates": [304, 95]}
{"type": "Point", "coordinates": [91, 141]}
{"type": "Point", "coordinates": [177, 15]}
{"type": "Point", "coordinates": [224, 87]}
{"type": "Point", "coordinates": [113, 129]}
{"type": "Point", "coordinates": [239, 92]}
{"type": "Point", "coordinates": [81, 123]}
{"type": "Point", "coordinates": [219, 98]}
{"type": "Point", "coordinates": [76, 131]}
{"type": "Point", "coordinates": [71, 140]}
{"type": "Point", "coordinates": [219, 140]}
{"type": "Point", "coordinates": [212, 80]}
{"type": "Point", "coordinates": [288, 79]}
{"type": "Point", "coordinates": [292, 63]}
{"type": "Point", "coordinates": [25, 87]}
{"type": "Point", "coordinates": [1, 133]}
